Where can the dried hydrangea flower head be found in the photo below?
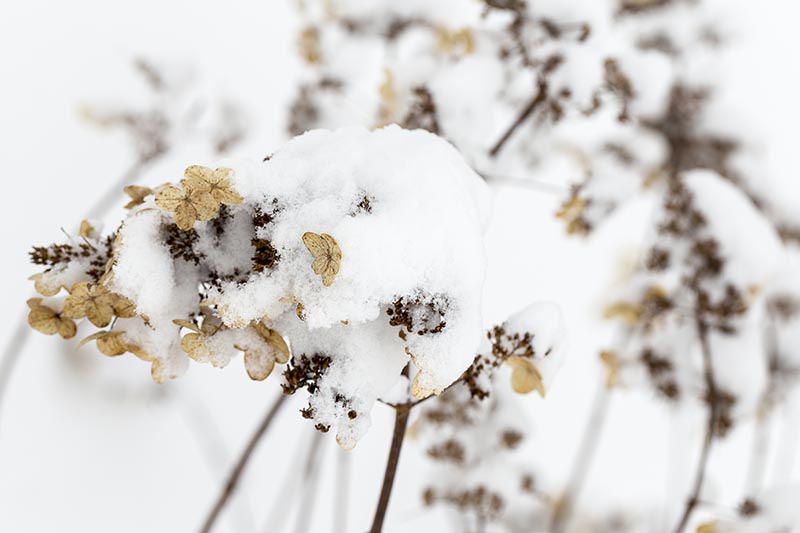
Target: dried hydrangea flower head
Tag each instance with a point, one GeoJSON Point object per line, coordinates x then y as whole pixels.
{"type": "Point", "coordinates": [346, 246]}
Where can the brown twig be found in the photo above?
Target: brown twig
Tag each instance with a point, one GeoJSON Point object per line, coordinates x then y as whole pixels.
{"type": "Point", "coordinates": [400, 424]}
{"type": "Point", "coordinates": [708, 437]}
{"type": "Point", "coordinates": [236, 473]}
{"type": "Point", "coordinates": [583, 460]}
{"type": "Point", "coordinates": [537, 100]}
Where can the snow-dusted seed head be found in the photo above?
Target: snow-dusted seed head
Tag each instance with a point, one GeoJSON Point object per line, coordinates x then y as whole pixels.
{"type": "Point", "coordinates": [356, 252]}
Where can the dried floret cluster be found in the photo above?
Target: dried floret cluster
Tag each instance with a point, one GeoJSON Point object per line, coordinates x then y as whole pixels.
{"type": "Point", "coordinates": [85, 270]}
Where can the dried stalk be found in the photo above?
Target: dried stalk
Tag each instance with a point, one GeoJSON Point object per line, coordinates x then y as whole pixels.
{"type": "Point", "coordinates": [583, 460]}
{"type": "Point", "coordinates": [708, 437]}
{"type": "Point", "coordinates": [236, 473]}
{"type": "Point", "coordinates": [310, 484]}
{"type": "Point", "coordinates": [400, 424]}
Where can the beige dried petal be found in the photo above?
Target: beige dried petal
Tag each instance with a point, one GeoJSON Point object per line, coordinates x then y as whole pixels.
{"type": "Point", "coordinates": [186, 324]}
{"type": "Point", "coordinates": [169, 198]}
{"type": "Point", "coordinates": [708, 527]}
{"type": "Point", "coordinates": [91, 301]}
{"type": "Point", "coordinates": [44, 286]}
{"type": "Point", "coordinates": [215, 182]}
{"type": "Point", "coordinates": [309, 44]}
{"type": "Point", "coordinates": [109, 343]}
{"type": "Point", "coordinates": [346, 445]}
{"type": "Point", "coordinates": [327, 255]}
{"type": "Point", "coordinates": [122, 306]}
{"type": "Point", "coordinates": [86, 229]}
{"type": "Point", "coordinates": [524, 376]}
{"type": "Point", "coordinates": [258, 363]}
{"type": "Point", "coordinates": [611, 363]}
{"type": "Point", "coordinates": [274, 340]}
{"type": "Point", "coordinates": [204, 204]}
{"type": "Point", "coordinates": [196, 178]}
{"type": "Point", "coordinates": [49, 321]}
{"type": "Point", "coordinates": [630, 313]}
{"type": "Point", "coordinates": [158, 372]}
{"type": "Point", "coordinates": [194, 344]}
{"type": "Point", "coordinates": [137, 194]}
{"type": "Point", "coordinates": [211, 323]}
{"type": "Point", "coordinates": [417, 390]}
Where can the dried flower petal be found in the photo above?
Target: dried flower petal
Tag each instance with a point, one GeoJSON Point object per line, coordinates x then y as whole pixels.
{"type": "Point", "coordinates": [49, 321]}
{"type": "Point", "coordinates": [275, 340]}
{"type": "Point", "coordinates": [327, 255]}
{"type": "Point", "coordinates": [524, 376]}
{"type": "Point", "coordinates": [109, 343]}
{"type": "Point", "coordinates": [137, 194]}
{"type": "Point", "coordinates": [194, 344]}
{"type": "Point", "coordinates": [611, 363]}
{"type": "Point", "coordinates": [215, 182]}
{"type": "Point", "coordinates": [91, 301]}
{"type": "Point", "coordinates": [44, 286]}
{"type": "Point", "coordinates": [187, 324]}
{"type": "Point", "coordinates": [86, 230]}
{"type": "Point", "coordinates": [188, 207]}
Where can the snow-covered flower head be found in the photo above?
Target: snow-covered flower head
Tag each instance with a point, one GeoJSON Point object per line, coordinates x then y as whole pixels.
{"type": "Point", "coordinates": [355, 251]}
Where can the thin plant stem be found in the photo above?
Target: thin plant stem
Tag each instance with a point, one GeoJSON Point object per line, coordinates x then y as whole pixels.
{"type": "Point", "coordinates": [310, 485]}
{"type": "Point", "coordinates": [584, 458]}
{"type": "Point", "coordinates": [400, 425]}
{"type": "Point", "coordinates": [340, 515]}
{"type": "Point", "coordinates": [236, 472]}
{"type": "Point", "coordinates": [279, 510]}
{"type": "Point", "coordinates": [535, 102]}
{"type": "Point", "coordinates": [708, 437]}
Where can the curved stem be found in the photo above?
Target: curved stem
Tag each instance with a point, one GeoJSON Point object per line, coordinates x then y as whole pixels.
{"type": "Point", "coordinates": [708, 437]}
{"type": "Point", "coordinates": [11, 355]}
{"type": "Point", "coordinates": [236, 473]}
{"type": "Point", "coordinates": [400, 424]}
{"type": "Point", "coordinates": [583, 460]}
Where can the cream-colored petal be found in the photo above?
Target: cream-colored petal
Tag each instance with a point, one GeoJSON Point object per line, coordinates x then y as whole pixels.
{"type": "Point", "coordinates": [169, 198]}
{"type": "Point", "coordinates": [185, 216]}
{"type": "Point", "coordinates": [197, 178]}
{"type": "Point", "coordinates": [204, 204]}
{"type": "Point", "coordinates": [258, 363]}
{"type": "Point", "coordinates": [44, 320]}
{"type": "Point", "coordinates": [525, 377]}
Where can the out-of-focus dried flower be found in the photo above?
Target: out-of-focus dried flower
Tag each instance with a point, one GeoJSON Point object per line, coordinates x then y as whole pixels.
{"type": "Point", "coordinates": [611, 363]}
{"type": "Point", "coordinates": [137, 194]}
{"type": "Point", "coordinates": [309, 45]}
{"type": "Point", "coordinates": [525, 377]}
